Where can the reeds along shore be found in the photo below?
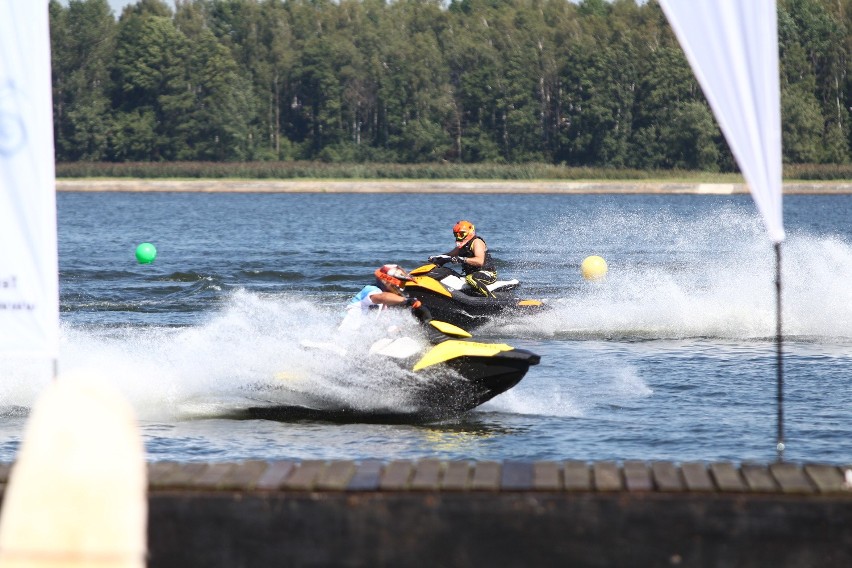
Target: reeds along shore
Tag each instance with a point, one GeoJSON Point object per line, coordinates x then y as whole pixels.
{"type": "Point", "coordinates": [432, 186]}
{"type": "Point", "coordinates": [302, 170]}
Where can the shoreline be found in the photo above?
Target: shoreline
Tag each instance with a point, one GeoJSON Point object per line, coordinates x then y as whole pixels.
{"type": "Point", "coordinates": [437, 186]}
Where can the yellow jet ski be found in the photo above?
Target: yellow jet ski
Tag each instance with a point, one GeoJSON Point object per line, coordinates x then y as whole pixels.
{"type": "Point", "coordinates": [451, 375]}
{"type": "Point", "coordinates": [449, 298]}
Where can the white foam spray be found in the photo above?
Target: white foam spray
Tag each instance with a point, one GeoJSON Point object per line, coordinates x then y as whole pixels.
{"type": "Point", "coordinates": [675, 277]}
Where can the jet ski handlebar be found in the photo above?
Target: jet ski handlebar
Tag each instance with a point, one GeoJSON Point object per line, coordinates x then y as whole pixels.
{"type": "Point", "coordinates": [441, 259]}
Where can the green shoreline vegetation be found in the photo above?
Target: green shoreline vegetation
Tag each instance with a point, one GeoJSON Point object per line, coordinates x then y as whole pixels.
{"type": "Point", "coordinates": [421, 89]}
{"type": "Point", "coordinates": [438, 171]}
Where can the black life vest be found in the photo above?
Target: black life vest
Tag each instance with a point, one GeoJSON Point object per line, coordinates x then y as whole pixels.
{"type": "Point", "coordinates": [467, 252]}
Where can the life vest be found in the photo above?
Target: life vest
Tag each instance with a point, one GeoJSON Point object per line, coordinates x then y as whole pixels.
{"type": "Point", "coordinates": [467, 252]}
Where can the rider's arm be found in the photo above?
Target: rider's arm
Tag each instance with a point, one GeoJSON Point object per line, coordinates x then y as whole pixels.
{"type": "Point", "coordinates": [387, 299]}
{"type": "Point", "coordinates": [478, 258]}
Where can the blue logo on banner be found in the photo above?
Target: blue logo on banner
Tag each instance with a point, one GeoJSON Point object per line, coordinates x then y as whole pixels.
{"type": "Point", "coordinates": [12, 132]}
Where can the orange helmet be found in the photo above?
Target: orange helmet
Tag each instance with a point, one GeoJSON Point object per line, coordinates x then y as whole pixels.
{"type": "Point", "coordinates": [391, 278]}
{"type": "Point", "coordinates": [464, 232]}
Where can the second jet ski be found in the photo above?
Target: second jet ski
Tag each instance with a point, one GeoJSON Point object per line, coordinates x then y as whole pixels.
{"type": "Point", "coordinates": [449, 298]}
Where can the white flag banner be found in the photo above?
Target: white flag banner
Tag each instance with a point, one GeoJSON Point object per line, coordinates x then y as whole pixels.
{"type": "Point", "coordinates": [29, 282]}
{"type": "Point", "coordinates": [732, 46]}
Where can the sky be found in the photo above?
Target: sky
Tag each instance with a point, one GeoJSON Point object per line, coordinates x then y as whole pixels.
{"type": "Point", "coordinates": [117, 5]}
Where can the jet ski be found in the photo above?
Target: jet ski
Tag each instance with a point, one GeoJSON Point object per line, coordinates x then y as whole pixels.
{"type": "Point", "coordinates": [450, 298]}
{"type": "Point", "coordinates": [449, 375]}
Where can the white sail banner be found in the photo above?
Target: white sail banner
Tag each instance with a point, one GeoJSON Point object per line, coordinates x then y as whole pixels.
{"type": "Point", "coordinates": [29, 287]}
{"type": "Point", "coordinates": [732, 46]}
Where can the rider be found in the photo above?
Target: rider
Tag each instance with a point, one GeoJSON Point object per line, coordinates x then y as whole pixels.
{"type": "Point", "coordinates": [390, 280]}
{"type": "Point", "coordinates": [472, 253]}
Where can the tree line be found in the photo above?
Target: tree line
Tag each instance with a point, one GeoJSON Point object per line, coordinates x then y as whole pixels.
{"type": "Point", "coordinates": [595, 83]}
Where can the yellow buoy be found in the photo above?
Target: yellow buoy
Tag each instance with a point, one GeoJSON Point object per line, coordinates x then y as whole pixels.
{"type": "Point", "coordinates": [593, 268]}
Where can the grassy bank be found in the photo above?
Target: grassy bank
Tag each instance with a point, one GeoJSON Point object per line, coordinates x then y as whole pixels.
{"type": "Point", "coordinates": [320, 170]}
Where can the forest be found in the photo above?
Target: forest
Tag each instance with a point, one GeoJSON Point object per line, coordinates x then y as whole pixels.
{"type": "Point", "coordinates": [593, 83]}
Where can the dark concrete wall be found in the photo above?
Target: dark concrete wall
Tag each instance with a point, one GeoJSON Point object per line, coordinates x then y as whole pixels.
{"type": "Point", "coordinates": [504, 529]}
{"type": "Point", "coordinates": [433, 513]}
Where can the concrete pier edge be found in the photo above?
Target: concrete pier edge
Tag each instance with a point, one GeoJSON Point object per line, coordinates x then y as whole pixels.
{"type": "Point", "coordinates": [433, 512]}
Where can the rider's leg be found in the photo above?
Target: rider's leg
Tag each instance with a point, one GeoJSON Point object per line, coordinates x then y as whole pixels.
{"type": "Point", "coordinates": [480, 279]}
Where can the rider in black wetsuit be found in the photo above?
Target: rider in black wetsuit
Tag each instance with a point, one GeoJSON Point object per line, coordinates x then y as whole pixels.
{"type": "Point", "coordinates": [472, 253]}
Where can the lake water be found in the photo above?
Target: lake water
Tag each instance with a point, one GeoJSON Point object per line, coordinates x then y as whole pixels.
{"type": "Point", "coordinates": [671, 357]}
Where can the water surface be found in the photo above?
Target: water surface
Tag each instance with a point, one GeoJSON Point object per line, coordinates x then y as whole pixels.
{"type": "Point", "coordinates": [671, 357]}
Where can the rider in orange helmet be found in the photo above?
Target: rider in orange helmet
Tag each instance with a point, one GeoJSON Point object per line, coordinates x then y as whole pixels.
{"type": "Point", "coordinates": [472, 253]}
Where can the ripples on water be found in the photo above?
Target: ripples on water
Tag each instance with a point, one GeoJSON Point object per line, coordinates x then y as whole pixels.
{"type": "Point", "coordinates": [671, 357]}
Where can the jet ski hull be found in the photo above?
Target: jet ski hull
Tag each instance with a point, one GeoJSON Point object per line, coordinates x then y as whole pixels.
{"type": "Point", "coordinates": [483, 378]}
{"type": "Point", "coordinates": [469, 381]}
{"type": "Point", "coordinates": [470, 312]}
{"type": "Point", "coordinates": [459, 307]}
